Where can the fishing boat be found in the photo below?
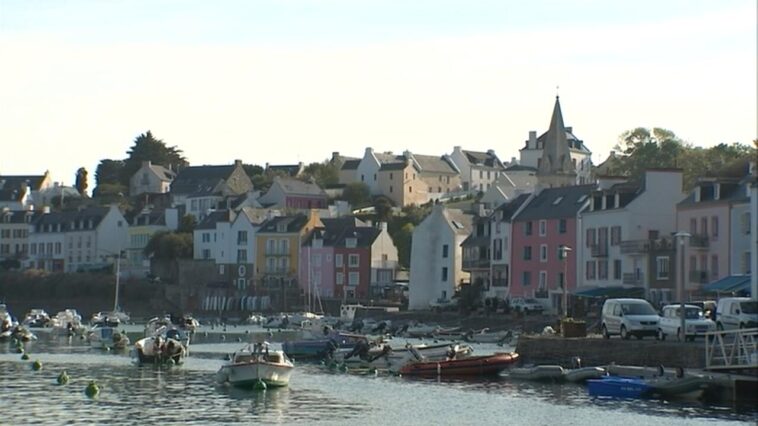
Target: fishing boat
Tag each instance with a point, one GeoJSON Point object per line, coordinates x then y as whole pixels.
{"type": "Point", "coordinates": [383, 356]}
{"type": "Point", "coordinates": [619, 387]}
{"type": "Point", "coordinates": [538, 373]}
{"type": "Point", "coordinates": [255, 364]}
{"type": "Point", "coordinates": [471, 366]}
{"type": "Point", "coordinates": [104, 337]}
{"type": "Point", "coordinates": [159, 349]}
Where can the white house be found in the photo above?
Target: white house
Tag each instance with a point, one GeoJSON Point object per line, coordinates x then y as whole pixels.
{"type": "Point", "coordinates": [436, 257]}
{"type": "Point", "coordinates": [740, 238]}
{"type": "Point", "coordinates": [368, 168]}
{"type": "Point", "coordinates": [151, 179]}
{"type": "Point", "coordinates": [479, 170]}
{"type": "Point", "coordinates": [618, 230]}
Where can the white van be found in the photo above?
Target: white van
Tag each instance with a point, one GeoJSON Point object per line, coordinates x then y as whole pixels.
{"type": "Point", "coordinates": [629, 317]}
{"type": "Point", "coordinates": [736, 312]}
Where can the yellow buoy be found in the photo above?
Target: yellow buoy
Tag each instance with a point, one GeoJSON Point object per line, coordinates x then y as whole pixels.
{"type": "Point", "coordinates": [36, 365]}
{"type": "Point", "coordinates": [92, 389]}
{"type": "Point", "coordinates": [63, 378]}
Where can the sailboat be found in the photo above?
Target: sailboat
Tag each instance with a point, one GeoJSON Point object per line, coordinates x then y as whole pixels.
{"type": "Point", "coordinates": [104, 333]}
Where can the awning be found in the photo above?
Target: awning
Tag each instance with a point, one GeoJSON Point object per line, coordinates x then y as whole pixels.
{"type": "Point", "coordinates": [612, 292]}
{"type": "Point", "coordinates": [730, 284]}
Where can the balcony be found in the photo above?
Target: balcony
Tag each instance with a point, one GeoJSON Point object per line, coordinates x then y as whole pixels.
{"type": "Point", "coordinates": [635, 246]}
{"type": "Point", "coordinates": [499, 282]}
{"type": "Point", "coordinates": [700, 277]}
{"type": "Point", "coordinates": [476, 264]}
{"type": "Point", "coordinates": [276, 252]}
{"type": "Point", "coordinates": [277, 271]}
{"type": "Point", "coordinates": [599, 250]}
{"type": "Point", "coordinates": [384, 264]}
{"type": "Point", "coordinates": [632, 278]}
{"type": "Point", "coordinates": [699, 241]}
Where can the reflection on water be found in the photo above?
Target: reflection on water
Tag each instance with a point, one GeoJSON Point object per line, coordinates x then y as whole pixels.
{"type": "Point", "coordinates": [189, 395]}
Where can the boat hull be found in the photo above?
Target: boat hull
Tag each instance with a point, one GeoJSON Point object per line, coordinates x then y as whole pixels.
{"type": "Point", "coordinates": [247, 375]}
{"type": "Point", "coordinates": [471, 366]}
{"type": "Point", "coordinates": [618, 387]}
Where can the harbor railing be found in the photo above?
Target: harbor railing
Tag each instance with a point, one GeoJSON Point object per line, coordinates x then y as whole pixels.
{"type": "Point", "coordinates": [731, 349]}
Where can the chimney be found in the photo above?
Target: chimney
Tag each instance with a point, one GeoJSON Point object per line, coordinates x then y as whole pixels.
{"type": "Point", "coordinates": [491, 152]}
{"type": "Point", "coordinates": [369, 150]}
{"type": "Point", "coordinates": [532, 139]}
{"type": "Point", "coordinates": [456, 149]}
{"type": "Point", "coordinates": [407, 154]}
{"type": "Point", "coordinates": [146, 163]}
{"type": "Point", "coordinates": [238, 163]}
{"type": "Point", "coordinates": [335, 155]}
{"type": "Point", "coordinates": [569, 129]}
{"type": "Point", "coordinates": [46, 210]}
{"type": "Point", "coordinates": [383, 226]}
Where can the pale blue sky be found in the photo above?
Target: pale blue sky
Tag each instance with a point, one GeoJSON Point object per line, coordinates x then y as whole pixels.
{"type": "Point", "coordinates": [282, 81]}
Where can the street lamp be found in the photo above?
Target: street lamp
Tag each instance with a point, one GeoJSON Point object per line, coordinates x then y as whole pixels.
{"type": "Point", "coordinates": [681, 236]}
{"type": "Point", "coordinates": [564, 253]}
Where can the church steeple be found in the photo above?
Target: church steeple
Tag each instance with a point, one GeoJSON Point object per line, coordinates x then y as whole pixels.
{"type": "Point", "coordinates": [556, 157]}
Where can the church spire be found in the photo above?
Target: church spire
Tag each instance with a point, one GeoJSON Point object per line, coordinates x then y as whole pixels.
{"type": "Point", "coordinates": [556, 157]}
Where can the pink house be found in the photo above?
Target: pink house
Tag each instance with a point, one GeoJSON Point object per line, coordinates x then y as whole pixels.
{"type": "Point", "coordinates": [540, 229]}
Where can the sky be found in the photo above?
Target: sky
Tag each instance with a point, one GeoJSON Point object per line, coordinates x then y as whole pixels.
{"type": "Point", "coordinates": [282, 81]}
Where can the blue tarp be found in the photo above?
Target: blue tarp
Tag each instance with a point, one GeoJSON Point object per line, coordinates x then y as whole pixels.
{"type": "Point", "coordinates": [730, 284]}
{"type": "Point", "coordinates": [611, 292]}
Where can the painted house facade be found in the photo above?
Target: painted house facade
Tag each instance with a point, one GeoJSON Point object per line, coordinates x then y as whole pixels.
{"type": "Point", "coordinates": [619, 230]}
{"type": "Point", "coordinates": [14, 234]}
{"type": "Point", "coordinates": [478, 170]}
{"type": "Point", "coordinates": [151, 179]}
{"type": "Point", "coordinates": [436, 270]}
{"type": "Point", "coordinates": [294, 194]}
{"type": "Point", "coordinates": [546, 223]}
{"type": "Point", "coordinates": [204, 188]}
{"type": "Point", "coordinates": [501, 230]}
{"type": "Point", "coordinates": [740, 251]}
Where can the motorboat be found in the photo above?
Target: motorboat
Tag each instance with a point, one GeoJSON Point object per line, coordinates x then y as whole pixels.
{"type": "Point", "coordinates": [68, 323]}
{"type": "Point", "coordinates": [619, 387]}
{"type": "Point", "coordinates": [255, 364]}
{"type": "Point", "coordinates": [109, 338]}
{"type": "Point", "coordinates": [7, 323]}
{"type": "Point", "coordinates": [551, 373]}
{"type": "Point", "coordinates": [110, 319]}
{"type": "Point", "coordinates": [159, 349]}
{"type": "Point", "coordinates": [22, 333]}
{"type": "Point", "coordinates": [322, 347]}
{"type": "Point", "coordinates": [185, 326]}
{"type": "Point", "coordinates": [450, 333]}
{"type": "Point", "coordinates": [470, 366]}
{"type": "Point", "coordinates": [382, 355]}
{"type": "Point", "coordinates": [36, 318]}
{"type": "Point", "coordinates": [487, 336]}
{"type": "Point", "coordinates": [419, 330]}
{"type": "Point", "coordinates": [582, 374]}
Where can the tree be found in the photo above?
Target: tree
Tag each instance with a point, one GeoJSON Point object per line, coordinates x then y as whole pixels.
{"type": "Point", "coordinates": [81, 181]}
{"type": "Point", "coordinates": [261, 180]}
{"type": "Point", "coordinates": [383, 209]}
{"type": "Point", "coordinates": [187, 224]}
{"type": "Point", "coordinates": [109, 172]}
{"type": "Point", "coordinates": [324, 174]}
{"type": "Point", "coordinates": [148, 148]}
{"type": "Point", "coordinates": [358, 194]}
{"type": "Point", "coordinates": [169, 245]}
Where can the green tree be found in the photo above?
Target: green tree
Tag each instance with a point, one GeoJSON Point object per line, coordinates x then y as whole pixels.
{"type": "Point", "coordinates": [147, 148]}
{"type": "Point", "coordinates": [109, 172]}
{"type": "Point", "coordinates": [324, 174]}
{"type": "Point", "coordinates": [169, 245]}
{"type": "Point", "coordinates": [383, 209]}
{"type": "Point", "coordinates": [358, 194]}
{"type": "Point", "coordinates": [187, 224]}
{"type": "Point", "coordinates": [261, 180]}
{"type": "Point", "coordinates": [81, 181]}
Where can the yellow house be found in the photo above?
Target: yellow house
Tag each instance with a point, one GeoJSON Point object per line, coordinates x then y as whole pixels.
{"type": "Point", "coordinates": [278, 248]}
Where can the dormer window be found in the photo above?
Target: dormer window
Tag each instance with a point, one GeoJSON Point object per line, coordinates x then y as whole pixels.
{"type": "Point", "coordinates": [282, 227]}
{"type": "Point", "coordinates": [351, 242]}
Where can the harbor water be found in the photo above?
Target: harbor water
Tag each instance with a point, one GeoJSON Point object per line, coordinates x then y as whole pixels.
{"type": "Point", "coordinates": [189, 394]}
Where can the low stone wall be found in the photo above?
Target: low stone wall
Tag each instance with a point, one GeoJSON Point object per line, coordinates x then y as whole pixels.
{"type": "Point", "coordinates": [598, 351]}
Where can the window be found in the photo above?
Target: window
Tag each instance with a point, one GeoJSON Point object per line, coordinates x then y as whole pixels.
{"type": "Point", "coordinates": [704, 226]}
{"type": "Point", "coordinates": [745, 223]}
{"type": "Point", "coordinates": [715, 227]}
{"type": "Point", "coordinates": [241, 237]}
{"type": "Point", "coordinates": [543, 252]}
{"type": "Point", "coordinates": [284, 246]}
{"type": "Point", "coordinates": [241, 256]}
{"type": "Point", "coordinates": [527, 253]}
{"type": "Point", "coordinates": [338, 260]}
{"type": "Point", "coordinates": [543, 228]}
{"type": "Point", "coordinates": [497, 249]}
{"type": "Point", "coordinates": [526, 278]}
{"type": "Point", "coordinates": [390, 188]}
{"type": "Point", "coordinates": [241, 283]}
{"type": "Point", "coordinates": [662, 267]}
{"type": "Point", "coordinates": [590, 239]}
{"type": "Point", "coordinates": [444, 274]}
{"type": "Point", "coordinates": [206, 237]}
{"type": "Point", "coordinates": [445, 250]}
{"type": "Point", "coordinates": [340, 280]}
{"type": "Point", "coordinates": [714, 266]}
{"type": "Point", "coordinates": [221, 269]}
{"type": "Point", "coordinates": [351, 242]}
{"type": "Point", "coordinates": [615, 235]}
{"type": "Point", "coordinates": [693, 226]}
{"type": "Point", "coordinates": [352, 260]}
{"type": "Point", "coordinates": [270, 246]}
{"type": "Point", "coordinates": [527, 228]}
{"type": "Point", "coordinates": [316, 258]}
{"type": "Point", "coordinates": [206, 254]}
{"type": "Point", "coordinates": [589, 270]}
{"type": "Point", "coordinates": [543, 280]}
{"type": "Point", "coordinates": [353, 278]}
{"type": "Point", "coordinates": [562, 226]}
{"type": "Point", "coordinates": [617, 269]}
{"type": "Point", "coordinates": [746, 263]}
{"type": "Point", "coordinates": [602, 269]}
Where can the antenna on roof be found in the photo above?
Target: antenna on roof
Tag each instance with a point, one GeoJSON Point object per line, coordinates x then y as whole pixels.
{"type": "Point", "coordinates": [557, 88]}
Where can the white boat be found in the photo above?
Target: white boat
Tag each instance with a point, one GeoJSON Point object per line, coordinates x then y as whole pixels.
{"type": "Point", "coordinates": [420, 330]}
{"type": "Point", "coordinates": [36, 318]}
{"type": "Point", "coordinates": [254, 364]}
{"type": "Point", "coordinates": [581, 375]}
{"type": "Point", "coordinates": [104, 337]}
{"type": "Point", "coordinates": [68, 323]}
{"type": "Point", "coordinates": [159, 349]}
{"type": "Point", "coordinates": [7, 323]}
{"type": "Point", "coordinates": [538, 373]}
{"type": "Point", "coordinates": [486, 336]}
{"type": "Point", "coordinates": [112, 318]}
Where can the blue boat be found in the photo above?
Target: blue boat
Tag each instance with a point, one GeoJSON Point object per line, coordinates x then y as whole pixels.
{"type": "Point", "coordinates": [619, 387]}
{"type": "Point", "coordinates": [320, 348]}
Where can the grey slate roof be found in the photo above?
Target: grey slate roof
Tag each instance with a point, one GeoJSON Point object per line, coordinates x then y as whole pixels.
{"type": "Point", "coordinates": [336, 236]}
{"type": "Point", "coordinates": [460, 221]}
{"type": "Point", "coordinates": [293, 224]}
{"type": "Point", "coordinates": [10, 186]}
{"type": "Point", "coordinates": [214, 217]}
{"type": "Point", "coordinates": [731, 190]}
{"type": "Point", "coordinates": [392, 166]}
{"type": "Point", "coordinates": [432, 164]}
{"type": "Point", "coordinates": [483, 159]}
{"type": "Point", "coordinates": [194, 179]}
{"type": "Point", "coordinates": [544, 206]}
{"type": "Point", "coordinates": [66, 218]}
{"type": "Point", "coordinates": [351, 164]}
{"type": "Point", "coordinates": [18, 216]}
{"type": "Point", "coordinates": [295, 186]}
{"type": "Point", "coordinates": [153, 217]}
{"type": "Point", "coordinates": [506, 210]}
{"type": "Point", "coordinates": [519, 168]}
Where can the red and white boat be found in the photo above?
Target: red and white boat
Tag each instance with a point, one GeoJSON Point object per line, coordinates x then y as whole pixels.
{"type": "Point", "coordinates": [471, 366]}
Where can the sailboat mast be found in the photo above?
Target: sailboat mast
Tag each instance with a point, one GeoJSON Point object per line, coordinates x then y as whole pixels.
{"type": "Point", "coordinates": [118, 276]}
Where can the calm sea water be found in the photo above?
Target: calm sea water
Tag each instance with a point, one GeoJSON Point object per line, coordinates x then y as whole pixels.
{"type": "Point", "coordinates": [188, 394]}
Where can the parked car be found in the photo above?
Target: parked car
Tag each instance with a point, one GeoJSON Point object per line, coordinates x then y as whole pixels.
{"type": "Point", "coordinates": [526, 305]}
{"type": "Point", "coordinates": [736, 312]}
{"type": "Point", "coordinates": [695, 322]}
{"type": "Point", "coordinates": [629, 317]}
